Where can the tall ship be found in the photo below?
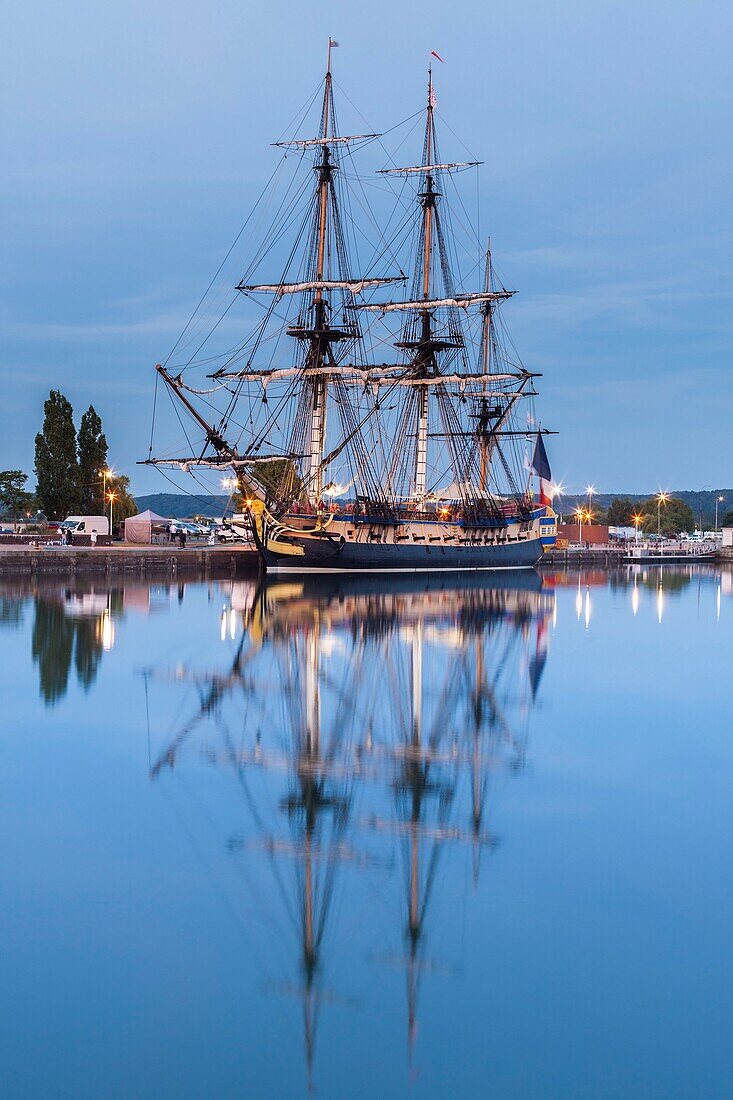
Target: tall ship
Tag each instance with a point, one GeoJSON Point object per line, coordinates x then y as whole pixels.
{"type": "Point", "coordinates": [370, 410]}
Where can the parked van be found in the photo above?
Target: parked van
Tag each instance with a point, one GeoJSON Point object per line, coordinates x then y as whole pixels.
{"type": "Point", "coordinates": [84, 525]}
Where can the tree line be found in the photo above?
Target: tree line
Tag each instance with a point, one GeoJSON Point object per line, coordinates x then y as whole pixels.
{"type": "Point", "coordinates": [70, 470]}
{"type": "Point", "coordinates": [672, 516]}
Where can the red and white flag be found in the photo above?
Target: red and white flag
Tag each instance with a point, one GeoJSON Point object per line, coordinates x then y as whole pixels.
{"type": "Point", "coordinates": [434, 54]}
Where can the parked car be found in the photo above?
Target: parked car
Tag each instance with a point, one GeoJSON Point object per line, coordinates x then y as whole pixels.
{"type": "Point", "coordinates": [235, 530]}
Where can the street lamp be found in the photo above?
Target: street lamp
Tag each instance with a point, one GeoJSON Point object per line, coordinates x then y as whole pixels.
{"type": "Point", "coordinates": [590, 490]}
{"type": "Point", "coordinates": [661, 499]}
{"type": "Point", "coordinates": [557, 491]}
{"type": "Point", "coordinates": [637, 524]}
{"type": "Point", "coordinates": [110, 497]}
{"type": "Point", "coordinates": [579, 514]}
{"type": "Point", "coordinates": [718, 500]}
{"type": "Point", "coordinates": [104, 474]}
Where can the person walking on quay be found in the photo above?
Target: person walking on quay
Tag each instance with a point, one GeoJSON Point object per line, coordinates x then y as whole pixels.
{"type": "Point", "coordinates": [182, 539]}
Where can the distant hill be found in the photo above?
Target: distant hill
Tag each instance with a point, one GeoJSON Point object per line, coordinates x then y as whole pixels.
{"type": "Point", "coordinates": [181, 505]}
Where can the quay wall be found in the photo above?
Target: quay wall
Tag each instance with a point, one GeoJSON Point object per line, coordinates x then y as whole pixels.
{"type": "Point", "coordinates": [592, 555]}
{"type": "Point", "coordinates": [167, 561]}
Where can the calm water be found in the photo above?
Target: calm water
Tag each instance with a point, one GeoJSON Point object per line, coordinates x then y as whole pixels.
{"type": "Point", "coordinates": [369, 840]}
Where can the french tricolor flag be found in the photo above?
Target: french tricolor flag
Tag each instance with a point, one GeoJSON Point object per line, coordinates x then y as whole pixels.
{"type": "Point", "coordinates": [541, 466]}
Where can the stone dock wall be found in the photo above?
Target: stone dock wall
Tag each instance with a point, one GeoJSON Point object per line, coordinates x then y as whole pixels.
{"type": "Point", "coordinates": [165, 561]}
{"type": "Point", "coordinates": [593, 555]}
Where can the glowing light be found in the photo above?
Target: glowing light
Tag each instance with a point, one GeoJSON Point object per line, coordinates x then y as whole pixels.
{"type": "Point", "coordinates": [660, 603]}
{"type": "Point", "coordinates": [579, 602]}
{"type": "Point", "coordinates": [108, 632]}
{"type": "Point", "coordinates": [229, 483]}
{"type": "Point", "coordinates": [232, 623]}
{"type": "Point", "coordinates": [334, 490]}
{"type": "Point", "coordinates": [590, 490]}
{"type": "Point", "coordinates": [223, 624]}
{"type": "Point", "coordinates": [557, 490]}
{"type": "Point", "coordinates": [635, 600]}
{"type": "Point", "coordinates": [587, 608]}
{"type": "Point", "coordinates": [717, 604]}
{"type": "Point", "coordinates": [554, 613]}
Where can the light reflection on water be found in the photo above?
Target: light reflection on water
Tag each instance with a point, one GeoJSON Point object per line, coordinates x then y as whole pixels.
{"type": "Point", "coordinates": [383, 814]}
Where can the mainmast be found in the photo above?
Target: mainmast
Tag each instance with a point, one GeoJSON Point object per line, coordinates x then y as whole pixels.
{"type": "Point", "coordinates": [319, 344]}
{"type": "Point", "coordinates": [428, 205]}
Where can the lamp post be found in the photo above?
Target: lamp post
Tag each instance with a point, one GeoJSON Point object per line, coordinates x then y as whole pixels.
{"type": "Point", "coordinates": [579, 514]}
{"type": "Point", "coordinates": [718, 500]}
{"type": "Point", "coordinates": [590, 490]}
{"type": "Point", "coordinates": [661, 499]}
{"type": "Point", "coordinates": [104, 474]}
{"type": "Point", "coordinates": [557, 491]}
{"type": "Point", "coordinates": [637, 523]}
{"type": "Point", "coordinates": [110, 497]}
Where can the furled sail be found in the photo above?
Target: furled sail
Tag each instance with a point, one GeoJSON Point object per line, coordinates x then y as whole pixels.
{"type": "Point", "coordinates": [461, 301]}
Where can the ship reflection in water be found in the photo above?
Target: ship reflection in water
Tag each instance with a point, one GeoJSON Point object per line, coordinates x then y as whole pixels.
{"type": "Point", "coordinates": [380, 714]}
{"type": "Point", "coordinates": [371, 837]}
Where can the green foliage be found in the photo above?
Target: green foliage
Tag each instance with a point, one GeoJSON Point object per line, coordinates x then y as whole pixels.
{"type": "Point", "coordinates": [727, 520]}
{"type": "Point", "coordinates": [280, 480]}
{"type": "Point", "coordinates": [92, 458]}
{"type": "Point", "coordinates": [620, 512]}
{"type": "Point", "coordinates": [673, 515]}
{"type": "Point", "coordinates": [56, 465]}
{"type": "Point", "coordinates": [14, 500]}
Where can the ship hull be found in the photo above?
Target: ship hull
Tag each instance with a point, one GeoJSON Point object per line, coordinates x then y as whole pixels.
{"type": "Point", "coordinates": [329, 554]}
{"type": "Point", "coordinates": [358, 559]}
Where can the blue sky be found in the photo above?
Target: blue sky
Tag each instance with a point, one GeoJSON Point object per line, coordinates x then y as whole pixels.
{"type": "Point", "coordinates": [135, 137]}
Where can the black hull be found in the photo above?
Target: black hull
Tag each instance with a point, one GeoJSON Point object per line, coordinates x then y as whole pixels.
{"type": "Point", "coordinates": [328, 555]}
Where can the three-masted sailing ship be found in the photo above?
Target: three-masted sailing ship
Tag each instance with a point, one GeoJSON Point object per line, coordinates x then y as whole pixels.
{"type": "Point", "coordinates": [371, 435]}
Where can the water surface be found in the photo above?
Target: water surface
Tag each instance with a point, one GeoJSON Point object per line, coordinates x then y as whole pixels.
{"type": "Point", "coordinates": [367, 838]}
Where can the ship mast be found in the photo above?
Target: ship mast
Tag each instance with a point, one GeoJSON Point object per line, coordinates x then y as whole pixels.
{"type": "Point", "coordinates": [487, 337]}
{"type": "Point", "coordinates": [318, 343]}
{"type": "Point", "coordinates": [428, 204]}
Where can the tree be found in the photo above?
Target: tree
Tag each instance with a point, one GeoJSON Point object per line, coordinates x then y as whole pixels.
{"type": "Point", "coordinates": [620, 512]}
{"type": "Point", "coordinates": [727, 520]}
{"type": "Point", "coordinates": [56, 466]}
{"type": "Point", "coordinates": [92, 458]}
{"type": "Point", "coordinates": [674, 516]}
{"type": "Point", "coordinates": [13, 496]}
{"type": "Point", "coordinates": [123, 504]}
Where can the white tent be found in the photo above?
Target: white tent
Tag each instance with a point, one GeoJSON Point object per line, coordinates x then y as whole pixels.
{"type": "Point", "coordinates": [140, 528]}
{"type": "Point", "coordinates": [457, 491]}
